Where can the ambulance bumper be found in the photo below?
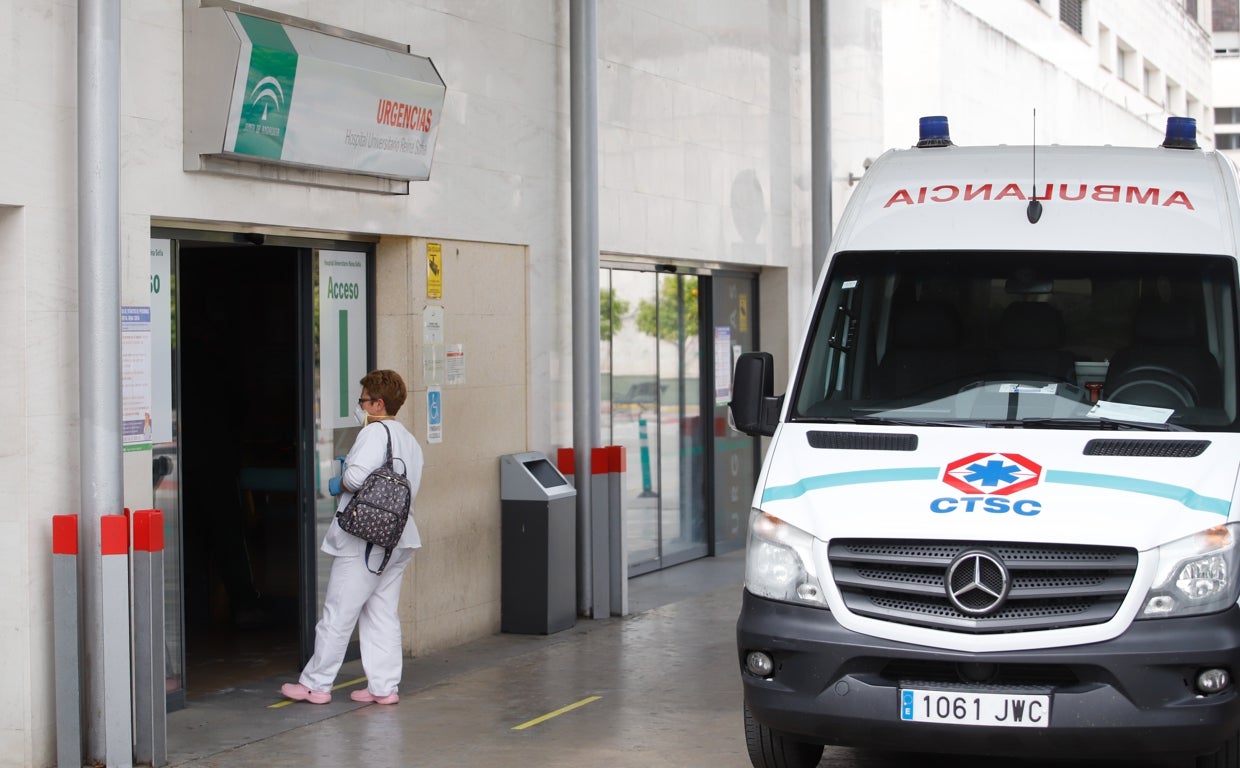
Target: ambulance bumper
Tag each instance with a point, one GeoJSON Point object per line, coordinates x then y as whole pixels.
{"type": "Point", "coordinates": [1133, 694]}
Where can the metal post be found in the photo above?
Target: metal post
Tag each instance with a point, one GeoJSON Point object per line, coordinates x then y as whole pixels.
{"type": "Point", "coordinates": [600, 549]}
{"type": "Point", "coordinates": [65, 607]}
{"type": "Point", "coordinates": [617, 462]}
{"type": "Point", "coordinates": [583, 90]}
{"type": "Point", "coordinates": [114, 581]}
{"type": "Point", "coordinates": [150, 698]}
{"type": "Point", "coordinates": [820, 134]}
{"type": "Point", "coordinates": [99, 387]}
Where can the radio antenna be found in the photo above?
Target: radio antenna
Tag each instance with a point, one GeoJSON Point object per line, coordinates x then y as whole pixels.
{"type": "Point", "coordinates": [1034, 211]}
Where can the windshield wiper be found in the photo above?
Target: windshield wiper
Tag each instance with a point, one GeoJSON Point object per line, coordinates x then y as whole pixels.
{"type": "Point", "coordinates": [1029, 422]}
{"type": "Point", "coordinates": [1086, 423]}
{"type": "Point", "coordinates": [1041, 422]}
{"type": "Point", "coordinates": [907, 422]}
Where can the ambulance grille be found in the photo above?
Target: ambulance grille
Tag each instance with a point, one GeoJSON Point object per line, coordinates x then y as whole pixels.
{"type": "Point", "coordinates": [1051, 586]}
{"type": "Point", "coordinates": [1162, 449]}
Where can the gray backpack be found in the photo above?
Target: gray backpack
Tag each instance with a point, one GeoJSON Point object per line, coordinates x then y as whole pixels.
{"type": "Point", "coordinates": [379, 509]}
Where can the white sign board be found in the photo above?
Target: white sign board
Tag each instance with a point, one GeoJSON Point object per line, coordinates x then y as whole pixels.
{"type": "Point", "coordinates": [161, 341]}
{"type": "Point", "coordinates": [342, 335]}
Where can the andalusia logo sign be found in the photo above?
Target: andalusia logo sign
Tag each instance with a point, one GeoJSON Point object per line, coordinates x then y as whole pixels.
{"type": "Point", "coordinates": [268, 90]}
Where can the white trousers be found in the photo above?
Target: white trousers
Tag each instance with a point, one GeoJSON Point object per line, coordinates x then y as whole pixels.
{"type": "Point", "coordinates": [355, 596]}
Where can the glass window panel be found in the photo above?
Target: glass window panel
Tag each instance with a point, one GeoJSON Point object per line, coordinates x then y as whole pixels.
{"type": "Point", "coordinates": [634, 408]}
{"type": "Point", "coordinates": [682, 457]}
{"type": "Point", "coordinates": [735, 454]}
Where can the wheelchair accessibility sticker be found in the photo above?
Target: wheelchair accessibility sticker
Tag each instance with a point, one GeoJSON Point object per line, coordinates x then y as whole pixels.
{"type": "Point", "coordinates": [434, 415]}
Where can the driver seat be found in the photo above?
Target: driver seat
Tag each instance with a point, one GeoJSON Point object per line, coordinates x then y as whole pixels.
{"type": "Point", "coordinates": [1167, 365]}
{"type": "Point", "coordinates": [925, 352]}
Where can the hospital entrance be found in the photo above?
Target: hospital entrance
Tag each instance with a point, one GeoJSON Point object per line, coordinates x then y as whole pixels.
{"type": "Point", "coordinates": [243, 481]}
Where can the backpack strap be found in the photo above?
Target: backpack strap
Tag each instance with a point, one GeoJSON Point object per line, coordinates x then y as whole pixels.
{"type": "Point", "coordinates": [387, 462]}
{"type": "Point", "coordinates": [404, 470]}
{"type": "Point", "coordinates": [387, 555]}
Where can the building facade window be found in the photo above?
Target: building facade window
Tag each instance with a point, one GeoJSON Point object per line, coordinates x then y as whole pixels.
{"type": "Point", "coordinates": [1227, 115]}
{"type": "Point", "coordinates": [1107, 52]}
{"type": "Point", "coordinates": [1227, 141]}
{"type": "Point", "coordinates": [1153, 85]}
{"type": "Point", "coordinates": [1127, 64]}
{"type": "Point", "coordinates": [1071, 13]}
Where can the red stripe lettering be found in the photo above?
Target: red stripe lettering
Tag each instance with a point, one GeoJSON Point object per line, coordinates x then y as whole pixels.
{"type": "Point", "coordinates": [983, 190]}
{"type": "Point", "coordinates": [1106, 193]}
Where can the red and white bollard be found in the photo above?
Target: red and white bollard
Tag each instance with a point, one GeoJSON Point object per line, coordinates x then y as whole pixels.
{"type": "Point", "coordinates": [65, 611]}
{"type": "Point", "coordinates": [150, 696]}
{"type": "Point", "coordinates": [117, 726]}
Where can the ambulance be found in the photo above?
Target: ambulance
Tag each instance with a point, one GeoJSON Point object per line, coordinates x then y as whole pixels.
{"type": "Point", "coordinates": [998, 509]}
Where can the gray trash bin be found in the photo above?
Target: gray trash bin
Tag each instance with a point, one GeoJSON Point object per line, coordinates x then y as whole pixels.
{"type": "Point", "coordinates": [538, 587]}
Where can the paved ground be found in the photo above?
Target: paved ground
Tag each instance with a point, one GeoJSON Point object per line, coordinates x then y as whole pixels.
{"type": "Point", "coordinates": [658, 688]}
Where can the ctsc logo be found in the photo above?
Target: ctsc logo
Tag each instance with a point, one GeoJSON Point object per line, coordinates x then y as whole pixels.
{"type": "Point", "coordinates": [988, 479]}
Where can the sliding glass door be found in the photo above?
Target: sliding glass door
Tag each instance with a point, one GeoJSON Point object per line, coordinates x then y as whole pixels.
{"type": "Point", "coordinates": [652, 405]}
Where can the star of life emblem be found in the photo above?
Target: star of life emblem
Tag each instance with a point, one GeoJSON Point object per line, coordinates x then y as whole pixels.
{"type": "Point", "coordinates": [994, 474]}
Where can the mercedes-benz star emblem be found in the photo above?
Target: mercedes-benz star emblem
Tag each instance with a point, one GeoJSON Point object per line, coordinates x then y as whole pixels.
{"type": "Point", "coordinates": [977, 582]}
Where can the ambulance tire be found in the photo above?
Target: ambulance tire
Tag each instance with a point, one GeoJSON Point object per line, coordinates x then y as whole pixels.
{"type": "Point", "coordinates": [1227, 756]}
{"type": "Point", "coordinates": [772, 749]}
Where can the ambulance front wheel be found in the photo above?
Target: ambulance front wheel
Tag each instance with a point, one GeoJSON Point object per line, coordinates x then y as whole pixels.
{"type": "Point", "coordinates": [772, 749]}
{"type": "Point", "coordinates": [1227, 756]}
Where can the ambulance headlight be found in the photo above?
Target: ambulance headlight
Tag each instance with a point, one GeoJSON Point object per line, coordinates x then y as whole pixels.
{"type": "Point", "coordinates": [1196, 574]}
{"type": "Point", "coordinates": [779, 562]}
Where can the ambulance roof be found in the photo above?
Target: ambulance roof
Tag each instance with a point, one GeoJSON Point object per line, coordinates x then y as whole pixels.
{"type": "Point", "coordinates": [1093, 199]}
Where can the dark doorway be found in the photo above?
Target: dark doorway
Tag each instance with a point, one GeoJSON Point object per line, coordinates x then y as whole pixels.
{"type": "Point", "coordinates": [237, 352]}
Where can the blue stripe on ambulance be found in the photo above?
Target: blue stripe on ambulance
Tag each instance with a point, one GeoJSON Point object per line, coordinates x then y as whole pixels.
{"type": "Point", "coordinates": [860, 477]}
{"type": "Point", "coordinates": [1185, 496]}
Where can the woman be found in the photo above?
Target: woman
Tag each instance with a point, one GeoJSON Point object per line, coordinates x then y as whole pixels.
{"type": "Point", "coordinates": [355, 594]}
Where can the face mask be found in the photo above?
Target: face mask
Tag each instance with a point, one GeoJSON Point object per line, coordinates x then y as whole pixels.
{"type": "Point", "coordinates": [360, 415]}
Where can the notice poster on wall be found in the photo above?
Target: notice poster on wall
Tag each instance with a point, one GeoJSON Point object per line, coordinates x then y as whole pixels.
{"type": "Point", "coordinates": [454, 363]}
{"type": "Point", "coordinates": [433, 362]}
{"type": "Point", "coordinates": [136, 378]}
{"type": "Point", "coordinates": [342, 335]}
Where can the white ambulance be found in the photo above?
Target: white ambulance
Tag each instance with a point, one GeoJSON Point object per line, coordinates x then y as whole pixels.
{"type": "Point", "coordinates": [998, 511]}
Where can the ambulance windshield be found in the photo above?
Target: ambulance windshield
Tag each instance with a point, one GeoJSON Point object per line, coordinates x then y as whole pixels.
{"type": "Point", "coordinates": [1038, 340]}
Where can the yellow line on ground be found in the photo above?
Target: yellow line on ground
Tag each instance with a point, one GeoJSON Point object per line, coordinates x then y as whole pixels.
{"type": "Point", "coordinates": [556, 713]}
{"type": "Point", "coordinates": [346, 684]}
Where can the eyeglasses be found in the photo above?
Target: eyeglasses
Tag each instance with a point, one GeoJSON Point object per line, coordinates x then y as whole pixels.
{"type": "Point", "coordinates": [361, 400]}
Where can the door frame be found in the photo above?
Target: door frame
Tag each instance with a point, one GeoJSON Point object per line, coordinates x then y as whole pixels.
{"type": "Point", "coordinates": [306, 395]}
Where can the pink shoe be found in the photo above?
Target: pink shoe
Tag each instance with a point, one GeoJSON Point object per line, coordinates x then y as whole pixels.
{"type": "Point", "coordinates": [366, 697]}
{"type": "Point", "coordinates": [299, 692]}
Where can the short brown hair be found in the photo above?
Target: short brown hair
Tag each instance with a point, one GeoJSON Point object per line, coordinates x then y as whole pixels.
{"type": "Point", "coordinates": [387, 386]}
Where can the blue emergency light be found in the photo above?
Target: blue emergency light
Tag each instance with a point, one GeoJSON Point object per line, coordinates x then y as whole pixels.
{"type": "Point", "coordinates": [1181, 133]}
{"type": "Point", "coordinates": [934, 132]}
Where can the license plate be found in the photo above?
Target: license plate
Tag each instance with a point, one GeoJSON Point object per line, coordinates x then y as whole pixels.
{"type": "Point", "coordinates": [1013, 710]}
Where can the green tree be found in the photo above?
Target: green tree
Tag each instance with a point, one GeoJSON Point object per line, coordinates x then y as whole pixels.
{"type": "Point", "coordinates": [611, 313]}
{"type": "Point", "coordinates": [675, 291]}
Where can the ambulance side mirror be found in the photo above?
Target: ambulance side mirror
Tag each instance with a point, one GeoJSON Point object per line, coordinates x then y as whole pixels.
{"type": "Point", "coordinates": [754, 408]}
